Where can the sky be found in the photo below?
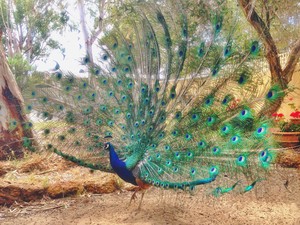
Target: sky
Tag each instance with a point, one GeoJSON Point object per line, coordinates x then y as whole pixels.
{"type": "Point", "coordinates": [73, 54]}
{"type": "Point", "coordinates": [73, 44]}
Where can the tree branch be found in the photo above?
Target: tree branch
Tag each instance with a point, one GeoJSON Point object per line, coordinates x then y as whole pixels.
{"type": "Point", "coordinates": [292, 61]}
{"type": "Point", "coordinates": [95, 35]}
{"type": "Point", "coordinates": [100, 25]}
{"type": "Point", "coordinates": [267, 14]}
{"type": "Point", "coordinates": [88, 46]}
{"type": "Point", "coordinates": [270, 46]}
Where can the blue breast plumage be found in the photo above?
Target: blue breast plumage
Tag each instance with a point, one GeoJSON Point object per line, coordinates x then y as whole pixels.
{"type": "Point", "coordinates": [120, 167]}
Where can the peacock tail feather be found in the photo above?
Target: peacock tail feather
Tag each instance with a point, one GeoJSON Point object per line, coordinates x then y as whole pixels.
{"type": "Point", "coordinates": [182, 111]}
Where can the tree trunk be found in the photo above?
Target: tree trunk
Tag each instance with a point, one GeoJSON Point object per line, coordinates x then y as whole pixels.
{"type": "Point", "coordinates": [90, 38]}
{"type": "Point", "coordinates": [11, 104]}
{"type": "Point", "coordinates": [87, 42]}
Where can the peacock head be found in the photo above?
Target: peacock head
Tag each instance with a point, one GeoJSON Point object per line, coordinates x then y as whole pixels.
{"type": "Point", "coordinates": [107, 146]}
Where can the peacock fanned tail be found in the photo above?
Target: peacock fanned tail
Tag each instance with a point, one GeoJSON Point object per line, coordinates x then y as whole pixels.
{"type": "Point", "coordinates": [182, 110]}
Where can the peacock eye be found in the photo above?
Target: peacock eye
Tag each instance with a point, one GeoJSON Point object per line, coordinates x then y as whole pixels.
{"type": "Point", "coordinates": [106, 146]}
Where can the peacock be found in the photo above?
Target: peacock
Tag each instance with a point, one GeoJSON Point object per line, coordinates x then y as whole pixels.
{"type": "Point", "coordinates": [162, 107]}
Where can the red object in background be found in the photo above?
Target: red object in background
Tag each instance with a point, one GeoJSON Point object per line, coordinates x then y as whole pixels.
{"type": "Point", "coordinates": [295, 114]}
{"type": "Point", "coordinates": [278, 116]}
{"type": "Point", "coordinates": [274, 114]}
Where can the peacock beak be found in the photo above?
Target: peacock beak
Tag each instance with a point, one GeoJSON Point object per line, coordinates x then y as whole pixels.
{"type": "Point", "coordinates": [106, 146]}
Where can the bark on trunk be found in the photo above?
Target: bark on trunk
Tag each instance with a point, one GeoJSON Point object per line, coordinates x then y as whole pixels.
{"type": "Point", "coordinates": [11, 103]}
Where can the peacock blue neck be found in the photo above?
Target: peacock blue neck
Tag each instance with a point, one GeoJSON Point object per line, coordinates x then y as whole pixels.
{"type": "Point", "coordinates": [120, 167]}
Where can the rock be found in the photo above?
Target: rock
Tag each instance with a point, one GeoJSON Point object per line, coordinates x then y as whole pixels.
{"type": "Point", "coordinates": [76, 181]}
{"type": "Point", "coordinates": [64, 189]}
{"type": "Point", "coordinates": [10, 194]}
{"type": "Point", "coordinates": [107, 186]}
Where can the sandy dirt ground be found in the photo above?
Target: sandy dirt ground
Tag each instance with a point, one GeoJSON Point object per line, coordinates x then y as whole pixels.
{"type": "Point", "coordinates": [276, 201]}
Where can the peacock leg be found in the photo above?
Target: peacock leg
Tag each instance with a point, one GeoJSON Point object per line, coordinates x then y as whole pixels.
{"type": "Point", "coordinates": [134, 197]}
{"type": "Point", "coordinates": [143, 193]}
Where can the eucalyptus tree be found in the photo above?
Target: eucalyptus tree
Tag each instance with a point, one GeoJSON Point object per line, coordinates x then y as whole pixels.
{"type": "Point", "coordinates": [27, 27]}
{"type": "Point", "coordinates": [92, 14]}
{"type": "Point", "coordinates": [25, 31]}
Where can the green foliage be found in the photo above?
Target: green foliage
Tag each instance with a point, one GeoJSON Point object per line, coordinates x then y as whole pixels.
{"type": "Point", "coordinates": [3, 8]}
{"type": "Point", "coordinates": [20, 68]}
{"type": "Point", "coordinates": [29, 24]}
{"type": "Point", "coordinates": [18, 65]}
{"type": "Point", "coordinates": [289, 127]}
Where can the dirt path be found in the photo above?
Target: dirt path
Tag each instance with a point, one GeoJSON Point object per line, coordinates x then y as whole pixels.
{"type": "Point", "coordinates": [271, 203]}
